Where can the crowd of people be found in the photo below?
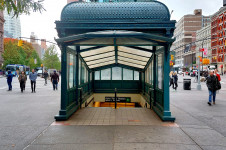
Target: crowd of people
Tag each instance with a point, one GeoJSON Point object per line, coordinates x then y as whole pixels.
{"type": "Point", "coordinates": [33, 77]}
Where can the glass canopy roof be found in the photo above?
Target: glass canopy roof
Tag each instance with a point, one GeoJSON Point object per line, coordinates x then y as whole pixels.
{"type": "Point", "coordinates": [110, 55]}
{"type": "Point", "coordinates": [128, 48]}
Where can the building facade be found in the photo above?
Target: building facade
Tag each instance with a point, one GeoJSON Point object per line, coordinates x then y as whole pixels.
{"type": "Point", "coordinates": [12, 26]}
{"type": "Point", "coordinates": [203, 38]}
{"type": "Point", "coordinates": [218, 40]}
{"type": "Point", "coordinates": [40, 49]}
{"type": "Point", "coordinates": [185, 34]}
{"type": "Point", "coordinates": [1, 36]}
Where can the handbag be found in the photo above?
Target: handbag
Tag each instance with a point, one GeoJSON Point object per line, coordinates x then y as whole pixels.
{"type": "Point", "coordinates": [218, 85]}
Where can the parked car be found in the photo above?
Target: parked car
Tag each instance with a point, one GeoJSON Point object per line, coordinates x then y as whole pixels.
{"type": "Point", "coordinates": [39, 72]}
{"type": "Point", "coordinates": [180, 72]}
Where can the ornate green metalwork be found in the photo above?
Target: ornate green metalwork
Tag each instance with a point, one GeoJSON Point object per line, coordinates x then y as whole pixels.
{"type": "Point", "coordinates": [114, 12]}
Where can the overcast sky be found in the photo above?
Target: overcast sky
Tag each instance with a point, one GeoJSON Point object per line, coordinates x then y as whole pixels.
{"type": "Point", "coordinates": [44, 27]}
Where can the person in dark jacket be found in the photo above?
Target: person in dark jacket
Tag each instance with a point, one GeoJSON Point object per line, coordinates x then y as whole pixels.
{"type": "Point", "coordinates": [22, 79]}
{"type": "Point", "coordinates": [211, 83]}
{"type": "Point", "coordinates": [175, 79]}
{"type": "Point", "coordinates": [55, 80]}
{"type": "Point", "coordinates": [33, 76]}
{"type": "Point", "coordinates": [46, 75]}
{"type": "Point", "coordinates": [9, 80]}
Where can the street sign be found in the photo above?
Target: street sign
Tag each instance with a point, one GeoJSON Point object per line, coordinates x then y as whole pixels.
{"type": "Point", "coordinates": [119, 99]}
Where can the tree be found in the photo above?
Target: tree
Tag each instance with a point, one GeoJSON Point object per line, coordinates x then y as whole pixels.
{"type": "Point", "coordinates": [18, 7]}
{"type": "Point", "coordinates": [51, 59]}
{"type": "Point", "coordinates": [24, 55]}
{"type": "Point", "coordinates": [10, 54]}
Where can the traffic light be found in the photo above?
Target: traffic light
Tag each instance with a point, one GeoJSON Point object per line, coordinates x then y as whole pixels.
{"type": "Point", "coordinates": [41, 65]}
{"type": "Point", "coordinates": [201, 49]}
{"type": "Point", "coordinates": [172, 57]}
{"type": "Point", "coordinates": [200, 58]}
{"type": "Point", "coordinates": [20, 43]}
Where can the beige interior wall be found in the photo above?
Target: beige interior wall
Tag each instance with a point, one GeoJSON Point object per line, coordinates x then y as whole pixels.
{"type": "Point", "coordinates": [88, 101]}
{"type": "Point", "coordinates": [143, 102]}
{"type": "Point", "coordinates": [100, 97]}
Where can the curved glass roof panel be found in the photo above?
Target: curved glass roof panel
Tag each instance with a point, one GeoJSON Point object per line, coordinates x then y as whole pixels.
{"type": "Point", "coordinates": [97, 51]}
{"type": "Point", "coordinates": [99, 56]}
{"type": "Point", "coordinates": [129, 64]}
{"type": "Point", "coordinates": [102, 64]}
{"type": "Point", "coordinates": [131, 56]}
{"type": "Point", "coordinates": [132, 60]}
{"type": "Point", "coordinates": [100, 60]}
{"type": "Point", "coordinates": [135, 51]}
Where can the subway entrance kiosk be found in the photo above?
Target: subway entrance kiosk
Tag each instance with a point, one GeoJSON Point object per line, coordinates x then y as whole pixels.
{"type": "Point", "coordinates": [110, 48]}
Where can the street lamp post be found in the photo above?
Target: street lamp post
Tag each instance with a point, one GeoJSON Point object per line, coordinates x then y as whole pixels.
{"type": "Point", "coordinates": [199, 87]}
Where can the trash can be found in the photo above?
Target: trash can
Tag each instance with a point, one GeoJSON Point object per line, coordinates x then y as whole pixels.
{"type": "Point", "coordinates": [187, 84]}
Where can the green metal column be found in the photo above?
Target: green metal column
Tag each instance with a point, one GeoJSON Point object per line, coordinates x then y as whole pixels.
{"type": "Point", "coordinates": [64, 99]}
{"type": "Point", "coordinates": [77, 74]}
{"type": "Point", "coordinates": [154, 74]}
{"type": "Point", "coordinates": [166, 106]}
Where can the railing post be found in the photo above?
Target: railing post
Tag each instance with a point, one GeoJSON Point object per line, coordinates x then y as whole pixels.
{"type": "Point", "coordinates": [115, 98]}
{"type": "Point", "coordinates": [80, 99]}
{"type": "Point", "coordinates": [150, 94]}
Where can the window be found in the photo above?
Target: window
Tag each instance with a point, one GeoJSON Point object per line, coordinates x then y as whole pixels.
{"type": "Point", "coordinates": [91, 76]}
{"type": "Point", "coordinates": [160, 71]}
{"type": "Point", "coordinates": [83, 73]}
{"type": "Point", "coordinates": [150, 73]}
{"type": "Point", "coordinates": [70, 70]}
{"type": "Point", "coordinates": [116, 73]}
{"type": "Point", "coordinates": [136, 75]}
{"type": "Point", "coordinates": [106, 74]}
{"type": "Point", "coordinates": [127, 74]}
{"type": "Point", "coordinates": [97, 75]}
{"type": "Point", "coordinates": [79, 72]}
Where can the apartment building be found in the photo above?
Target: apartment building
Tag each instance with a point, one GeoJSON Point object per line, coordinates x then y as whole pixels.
{"type": "Point", "coordinates": [185, 34]}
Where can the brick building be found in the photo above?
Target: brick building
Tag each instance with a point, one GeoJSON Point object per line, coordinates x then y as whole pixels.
{"type": "Point", "coordinates": [1, 36]}
{"type": "Point", "coordinates": [185, 33]}
{"type": "Point", "coordinates": [204, 33]}
{"type": "Point", "coordinates": [218, 39]}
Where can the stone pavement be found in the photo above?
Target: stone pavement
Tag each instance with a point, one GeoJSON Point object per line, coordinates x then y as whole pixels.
{"type": "Point", "coordinates": [197, 126]}
{"type": "Point", "coordinates": [23, 116]}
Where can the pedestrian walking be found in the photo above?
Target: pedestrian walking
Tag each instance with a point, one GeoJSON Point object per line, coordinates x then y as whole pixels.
{"type": "Point", "coordinates": [33, 76]}
{"type": "Point", "coordinates": [46, 75]}
{"type": "Point", "coordinates": [9, 80]}
{"type": "Point", "coordinates": [217, 74]}
{"type": "Point", "coordinates": [212, 84]}
{"type": "Point", "coordinates": [55, 80]}
{"type": "Point", "coordinates": [175, 79]}
{"type": "Point", "coordinates": [22, 79]}
{"type": "Point", "coordinates": [171, 78]}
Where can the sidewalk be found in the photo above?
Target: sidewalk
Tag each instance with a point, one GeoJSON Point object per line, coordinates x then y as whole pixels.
{"type": "Point", "coordinates": [197, 126]}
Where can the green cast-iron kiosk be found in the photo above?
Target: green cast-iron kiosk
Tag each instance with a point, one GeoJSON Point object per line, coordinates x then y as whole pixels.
{"type": "Point", "coordinates": [108, 45]}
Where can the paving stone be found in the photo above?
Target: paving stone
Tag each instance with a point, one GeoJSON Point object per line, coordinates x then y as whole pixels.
{"type": "Point", "coordinates": [154, 146]}
{"type": "Point", "coordinates": [71, 147]}
{"type": "Point", "coordinates": [206, 137]}
{"type": "Point", "coordinates": [152, 134]}
{"type": "Point", "coordinates": [77, 134]}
